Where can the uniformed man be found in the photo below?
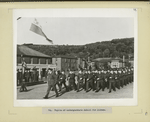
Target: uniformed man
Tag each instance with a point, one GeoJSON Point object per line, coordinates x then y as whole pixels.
{"type": "Point", "coordinates": [132, 74]}
{"type": "Point", "coordinates": [23, 86]}
{"type": "Point", "coordinates": [80, 79]}
{"type": "Point", "coordinates": [94, 79]}
{"type": "Point", "coordinates": [124, 76]}
{"type": "Point", "coordinates": [85, 79]}
{"type": "Point", "coordinates": [107, 75]}
{"type": "Point", "coordinates": [62, 81]}
{"type": "Point", "coordinates": [100, 81]}
{"type": "Point", "coordinates": [71, 78]}
{"type": "Point", "coordinates": [120, 76]}
{"type": "Point", "coordinates": [57, 77]}
{"type": "Point", "coordinates": [89, 81]}
{"type": "Point", "coordinates": [117, 81]}
{"type": "Point", "coordinates": [112, 81]}
{"type": "Point", "coordinates": [51, 78]}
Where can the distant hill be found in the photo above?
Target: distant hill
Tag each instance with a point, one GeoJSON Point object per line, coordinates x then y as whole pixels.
{"type": "Point", "coordinates": [113, 48]}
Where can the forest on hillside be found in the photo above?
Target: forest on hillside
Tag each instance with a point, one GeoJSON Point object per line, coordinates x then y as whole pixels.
{"type": "Point", "coordinates": [113, 48]}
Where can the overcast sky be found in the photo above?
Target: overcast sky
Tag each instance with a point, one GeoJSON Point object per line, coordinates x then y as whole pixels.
{"type": "Point", "coordinates": [75, 31]}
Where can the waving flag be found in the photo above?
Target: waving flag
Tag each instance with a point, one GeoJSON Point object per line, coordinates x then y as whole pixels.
{"type": "Point", "coordinates": [36, 28]}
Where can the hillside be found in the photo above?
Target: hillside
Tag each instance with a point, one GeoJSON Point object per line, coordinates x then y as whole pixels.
{"type": "Point", "coordinates": [113, 48]}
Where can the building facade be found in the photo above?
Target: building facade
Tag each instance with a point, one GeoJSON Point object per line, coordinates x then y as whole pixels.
{"type": "Point", "coordinates": [36, 62]}
{"type": "Point", "coordinates": [108, 62]}
{"type": "Point", "coordinates": [65, 63]}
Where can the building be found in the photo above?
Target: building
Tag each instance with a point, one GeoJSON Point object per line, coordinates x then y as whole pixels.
{"type": "Point", "coordinates": [35, 60]}
{"type": "Point", "coordinates": [65, 63]}
{"type": "Point", "coordinates": [108, 62]}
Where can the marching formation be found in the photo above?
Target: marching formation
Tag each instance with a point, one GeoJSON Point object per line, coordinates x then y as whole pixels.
{"type": "Point", "coordinates": [89, 80]}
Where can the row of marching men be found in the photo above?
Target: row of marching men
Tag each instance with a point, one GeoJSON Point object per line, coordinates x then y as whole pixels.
{"type": "Point", "coordinates": [89, 80]}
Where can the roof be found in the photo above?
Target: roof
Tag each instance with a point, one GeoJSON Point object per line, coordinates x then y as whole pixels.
{"type": "Point", "coordinates": [106, 59]}
{"type": "Point", "coordinates": [65, 56]}
{"type": "Point", "coordinates": [26, 51]}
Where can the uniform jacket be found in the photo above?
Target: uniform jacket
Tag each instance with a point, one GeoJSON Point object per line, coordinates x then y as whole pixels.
{"type": "Point", "coordinates": [71, 77]}
{"type": "Point", "coordinates": [100, 76]}
{"type": "Point", "coordinates": [80, 76]}
{"type": "Point", "coordinates": [90, 77]}
{"type": "Point", "coordinates": [62, 77]}
{"type": "Point", "coordinates": [51, 78]}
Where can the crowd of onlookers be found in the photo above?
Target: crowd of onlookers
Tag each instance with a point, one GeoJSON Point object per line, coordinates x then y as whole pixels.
{"type": "Point", "coordinates": [29, 75]}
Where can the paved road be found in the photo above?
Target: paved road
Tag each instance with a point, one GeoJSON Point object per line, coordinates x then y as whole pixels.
{"type": "Point", "coordinates": [38, 92]}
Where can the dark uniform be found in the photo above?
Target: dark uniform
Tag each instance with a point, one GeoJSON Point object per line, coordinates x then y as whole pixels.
{"type": "Point", "coordinates": [80, 79]}
{"type": "Point", "coordinates": [85, 80]}
{"type": "Point", "coordinates": [100, 81]}
{"type": "Point", "coordinates": [89, 81]}
{"type": "Point", "coordinates": [112, 82]}
{"type": "Point", "coordinates": [117, 80]}
{"type": "Point", "coordinates": [121, 78]}
{"type": "Point", "coordinates": [71, 78]}
{"type": "Point", "coordinates": [62, 81]}
{"type": "Point", "coordinates": [106, 79]}
{"type": "Point", "coordinates": [51, 78]}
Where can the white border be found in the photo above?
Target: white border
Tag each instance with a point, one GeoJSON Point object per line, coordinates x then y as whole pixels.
{"type": "Point", "coordinates": [76, 12]}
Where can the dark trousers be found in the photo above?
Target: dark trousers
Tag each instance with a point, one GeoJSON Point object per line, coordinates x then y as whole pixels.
{"type": "Point", "coordinates": [112, 85]}
{"type": "Point", "coordinates": [62, 83]}
{"type": "Point", "coordinates": [85, 82]}
{"type": "Point", "coordinates": [23, 87]}
{"type": "Point", "coordinates": [49, 88]}
{"type": "Point", "coordinates": [79, 84]}
{"type": "Point", "coordinates": [117, 83]}
{"type": "Point", "coordinates": [100, 83]}
{"type": "Point", "coordinates": [72, 84]}
{"type": "Point", "coordinates": [89, 83]}
{"type": "Point", "coordinates": [121, 82]}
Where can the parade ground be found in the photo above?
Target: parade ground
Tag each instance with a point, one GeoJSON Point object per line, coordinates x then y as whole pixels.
{"type": "Point", "coordinates": [39, 91]}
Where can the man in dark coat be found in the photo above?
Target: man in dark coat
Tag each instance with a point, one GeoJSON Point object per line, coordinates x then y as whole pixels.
{"type": "Point", "coordinates": [112, 81]}
{"type": "Point", "coordinates": [99, 81]}
{"type": "Point", "coordinates": [62, 79]}
{"type": "Point", "coordinates": [89, 81]}
{"type": "Point", "coordinates": [51, 78]}
{"type": "Point", "coordinates": [71, 78]}
{"type": "Point", "coordinates": [80, 79]}
{"type": "Point", "coordinates": [85, 79]}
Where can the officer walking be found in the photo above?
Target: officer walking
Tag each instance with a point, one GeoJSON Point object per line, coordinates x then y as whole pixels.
{"type": "Point", "coordinates": [51, 78]}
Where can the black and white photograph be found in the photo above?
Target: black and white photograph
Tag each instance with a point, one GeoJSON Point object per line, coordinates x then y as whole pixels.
{"type": "Point", "coordinates": [65, 57]}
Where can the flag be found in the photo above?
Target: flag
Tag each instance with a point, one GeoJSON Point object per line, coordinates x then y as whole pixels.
{"type": "Point", "coordinates": [38, 30]}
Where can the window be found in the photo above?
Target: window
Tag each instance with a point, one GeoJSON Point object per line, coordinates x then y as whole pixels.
{"type": "Point", "coordinates": [35, 60]}
{"type": "Point", "coordinates": [42, 61]}
{"type": "Point", "coordinates": [18, 60]}
{"type": "Point", "coordinates": [27, 60]}
{"type": "Point", "coordinates": [50, 61]}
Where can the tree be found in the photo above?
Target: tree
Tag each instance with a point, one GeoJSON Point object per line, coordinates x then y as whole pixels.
{"type": "Point", "coordinates": [106, 53]}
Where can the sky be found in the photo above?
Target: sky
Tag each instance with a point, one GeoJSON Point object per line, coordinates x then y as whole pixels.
{"type": "Point", "coordinates": [75, 31]}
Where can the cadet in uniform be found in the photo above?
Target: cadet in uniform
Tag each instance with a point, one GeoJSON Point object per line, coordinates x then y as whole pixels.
{"type": "Point", "coordinates": [63, 81]}
{"type": "Point", "coordinates": [100, 81]}
{"type": "Point", "coordinates": [80, 79]}
{"type": "Point", "coordinates": [121, 77]}
{"type": "Point", "coordinates": [85, 79]}
{"type": "Point", "coordinates": [117, 81]}
{"type": "Point", "coordinates": [107, 75]}
{"type": "Point", "coordinates": [112, 81]}
{"type": "Point", "coordinates": [51, 78]}
{"type": "Point", "coordinates": [71, 78]}
{"type": "Point", "coordinates": [89, 81]}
